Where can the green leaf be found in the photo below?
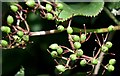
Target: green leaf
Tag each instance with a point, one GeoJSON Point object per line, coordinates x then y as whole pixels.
{"type": "Point", "coordinates": [114, 5]}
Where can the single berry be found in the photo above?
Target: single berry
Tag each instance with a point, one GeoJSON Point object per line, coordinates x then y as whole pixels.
{"type": "Point", "coordinates": [112, 61]}
{"type": "Point", "coordinates": [111, 28]}
{"type": "Point", "coordinates": [30, 3]}
{"type": "Point", "coordinates": [54, 46]}
{"type": "Point", "coordinates": [14, 8]}
{"type": "Point", "coordinates": [73, 57]}
{"type": "Point", "coordinates": [94, 61]}
{"type": "Point", "coordinates": [61, 68]}
{"type": "Point", "coordinates": [48, 7]}
{"type": "Point", "coordinates": [5, 29]}
{"type": "Point", "coordinates": [54, 54]}
{"type": "Point", "coordinates": [69, 30]}
{"type": "Point", "coordinates": [77, 45]}
{"type": "Point", "coordinates": [83, 62]}
{"type": "Point", "coordinates": [16, 38]}
{"type": "Point", "coordinates": [10, 20]}
{"type": "Point", "coordinates": [20, 33]}
{"type": "Point", "coordinates": [26, 38]}
{"type": "Point", "coordinates": [79, 52]}
{"type": "Point", "coordinates": [59, 50]}
{"type": "Point", "coordinates": [104, 48]}
{"type": "Point", "coordinates": [110, 68]}
{"type": "Point", "coordinates": [59, 6]}
{"type": "Point", "coordinates": [108, 44]}
{"type": "Point", "coordinates": [75, 37]}
{"type": "Point", "coordinates": [82, 37]}
{"type": "Point", "coordinates": [49, 16]}
{"type": "Point", "coordinates": [4, 43]}
{"type": "Point", "coordinates": [60, 28]}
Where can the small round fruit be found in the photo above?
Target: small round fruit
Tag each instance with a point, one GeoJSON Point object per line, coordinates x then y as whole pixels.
{"type": "Point", "coordinates": [20, 33]}
{"type": "Point", "coordinates": [59, 50]}
{"type": "Point", "coordinates": [69, 30]}
{"type": "Point", "coordinates": [59, 6]}
{"type": "Point", "coordinates": [30, 3]}
{"type": "Point", "coordinates": [82, 37]}
{"type": "Point", "coordinates": [5, 29]}
{"type": "Point", "coordinates": [108, 44]}
{"type": "Point", "coordinates": [83, 62]}
{"type": "Point", "coordinates": [104, 48]}
{"type": "Point", "coordinates": [94, 61]}
{"type": "Point", "coordinates": [4, 43]}
{"type": "Point", "coordinates": [79, 52]}
{"type": "Point", "coordinates": [112, 61]}
{"type": "Point", "coordinates": [54, 54]}
{"type": "Point", "coordinates": [110, 68]}
{"type": "Point", "coordinates": [60, 28]}
{"type": "Point", "coordinates": [61, 68]}
{"type": "Point", "coordinates": [54, 46]}
{"type": "Point", "coordinates": [26, 38]}
{"type": "Point", "coordinates": [111, 28]}
{"type": "Point", "coordinates": [77, 45]}
{"type": "Point", "coordinates": [10, 20]}
{"type": "Point", "coordinates": [14, 8]}
{"type": "Point", "coordinates": [75, 37]}
{"type": "Point", "coordinates": [48, 7]}
{"type": "Point", "coordinates": [16, 38]}
{"type": "Point", "coordinates": [73, 57]}
{"type": "Point", "coordinates": [49, 16]}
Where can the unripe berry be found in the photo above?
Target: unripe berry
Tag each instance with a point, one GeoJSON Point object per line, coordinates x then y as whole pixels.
{"type": "Point", "coordinates": [104, 48]}
{"type": "Point", "coordinates": [54, 46]}
{"type": "Point", "coordinates": [82, 37]}
{"type": "Point", "coordinates": [94, 61]}
{"type": "Point", "coordinates": [108, 44]}
{"type": "Point", "coordinates": [73, 57]}
{"type": "Point", "coordinates": [30, 3]}
{"type": "Point", "coordinates": [49, 16]}
{"type": "Point", "coordinates": [83, 62]}
{"type": "Point", "coordinates": [14, 8]}
{"type": "Point", "coordinates": [75, 37]}
{"type": "Point", "coordinates": [26, 38]}
{"type": "Point", "coordinates": [4, 43]}
{"type": "Point", "coordinates": [79, 52]}
{"type": "Point", "coordinates": [59, 50]}
{"type": "Point", "coordinates": [5, 29]}
{"type": "Point", "coordinates": [54, 54]}
{"type": "Point", "coordinates": [111, 28]}
{"type": "Point", "coordinates": [112, 61]}
{"type": "Point", "coordinates": [59, 6]}
{"type": "Point", "coordinates": [10, 20]}
{"type": "Point", "coordinates": [77, 45]}
{"type": "Point", "coordinates": [60, 28]}
{"type": "Point", "coordinates": [69, 30]}
{"type": "Point", "coordinates": [61, 68]}
{"type": "Point", "coordinates": [110, 68]}
{"type": "Point", "coordinates": [48, 7]}
{"type": "Point", "coordinates": [16, 38]}
{"type": "Point", "coordinates": [20, 33]}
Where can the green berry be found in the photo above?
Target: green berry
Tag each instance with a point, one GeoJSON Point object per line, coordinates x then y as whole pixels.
{"type": "Point", "coordinates": [61, 68]}
{"type": "Point", "coordinates": [26, 38]}
{"type": "Point", "coordinates": [108, 44]}
{"type": "Point", "coordinates": [79, 52]}
{"type": "Point", "coordinates": [73, 57]}
{"type": "Point", "coordinates": [59, 6]}
{"type": "Point", "coordinates": [104, 48]}
{"type": "Point", "coordinates": [30, 3]}
{"type": "Point", "coordinates": [20, 33]}
{"type": "Point", "coordinates": [48, 7]}
{"type": "Point", "coordinates": [69, 30]}
{"type": "Point", "coordinates": [60, 28]}
{"type": "Point", "coordinates": [75, 37]}
{"type": "Point", "coordinates": [112, 61]}
{"type": "Point", "coordinates": [14, 8]}
{"type": "Point", "coordinates": [83, 62]}
{"type": "Point", "coordinates": [77, 45]}
{"type": "Point", "coordinates": [111, 28]}
{"type": "Point", "coordinates": [49, 16]}
{"type": "Point", "coordinates": [54, 46]}
{"type": "Point", "coordinates": [5, 29]}
{"type": "Point", "coordinates": [4, 43]}
{"type": "Point", "coordinates": [10, 20]}
{"type": "Point", "coordinates": [94, 61]}
{"type": "Point", "coordinates": [16, 38]}
{"type": "Point", "coordinates": [54, 54]}
{"type": "Point", "coordinates": [60, 50]}
{"type": "Point", "coordinates": [82, 37]}
{"type": "Point", "coordinates": [110, 68]}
